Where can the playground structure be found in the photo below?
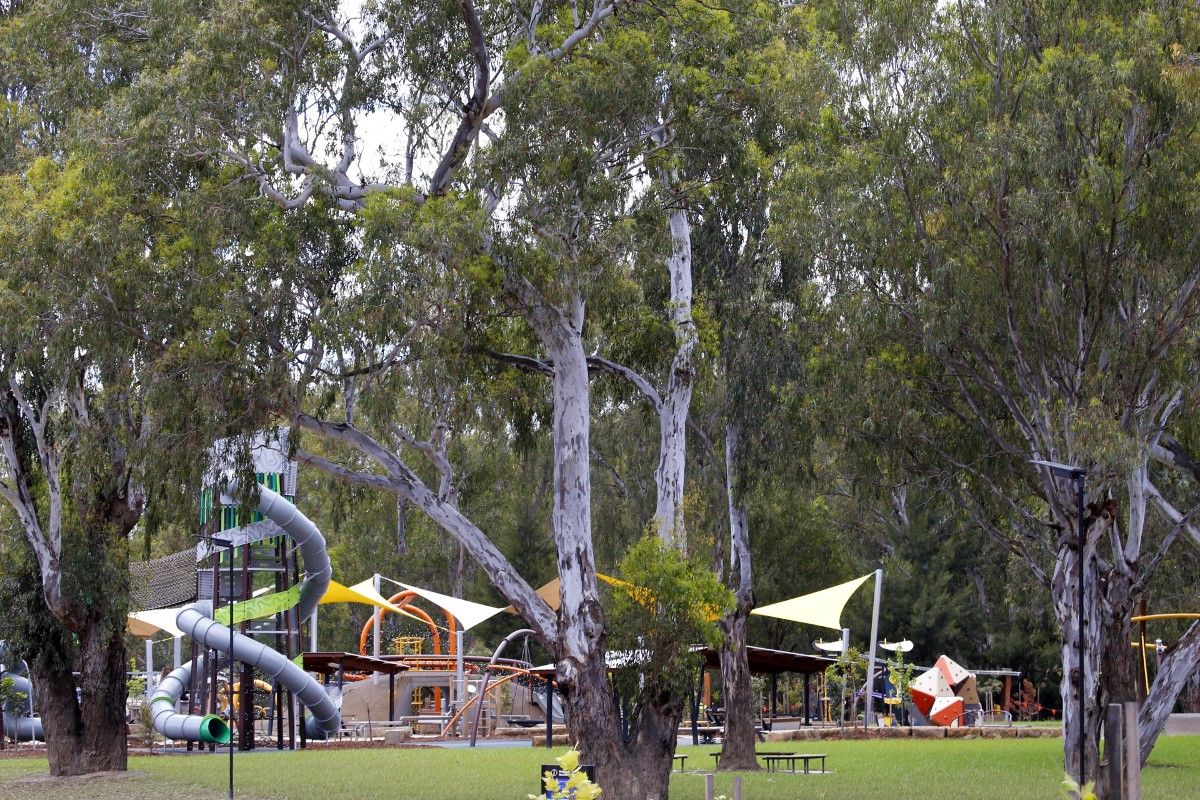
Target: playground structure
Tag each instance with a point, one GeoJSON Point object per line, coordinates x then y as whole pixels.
{"type": "Point", "coordinates": [945, 693]}
{"type": "Point", "coordinates": [197, 620]}
{"type": "Point", "coordinates": [244, 607]}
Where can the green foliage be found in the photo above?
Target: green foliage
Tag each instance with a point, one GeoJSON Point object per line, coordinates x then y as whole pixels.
{"type": "Point", "coordinates": [9, 694]}
{"type": "Point", "coordinates": [900, 674]}
{"type": "Point", "coordinates": [843, 678]}
{"type": "Point", "coordinates": [668, 605]}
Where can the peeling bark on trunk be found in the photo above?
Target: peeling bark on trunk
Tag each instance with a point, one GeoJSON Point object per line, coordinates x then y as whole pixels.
{"type": "Point", "coordinates": [1176, 670]}
{"type": "Point", "coordinates": [1064, 593]}
{"type": "Point", "coordinates": [738, 748]}
{"type": "Point", "coordinates": [735, 667]}
{"type": "Point", "coordinates": [670, 477]}
{"type": "Point", "coordinates": [86, 736]}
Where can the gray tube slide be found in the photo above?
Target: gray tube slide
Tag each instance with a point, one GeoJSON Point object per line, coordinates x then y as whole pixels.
{"type": "Point", "coordinates": [196, 621]}
{"type": "Point", "coordinates": [17, 724]}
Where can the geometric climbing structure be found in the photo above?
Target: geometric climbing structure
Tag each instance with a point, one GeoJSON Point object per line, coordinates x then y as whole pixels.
{"type": "Point", "coordinates": [942, 693]}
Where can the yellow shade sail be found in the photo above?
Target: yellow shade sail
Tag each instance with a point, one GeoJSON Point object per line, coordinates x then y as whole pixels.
{"type": "Point", "coordinates": [364, 592]}
{"type": "Point", "coordinates": [823, 608]}
{"type": "Point", "coordinates": [552, 592]}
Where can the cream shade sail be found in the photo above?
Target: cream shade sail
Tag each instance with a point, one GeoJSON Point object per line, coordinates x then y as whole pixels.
{"type": "Point", "coordinates": [149, 623]}
{"type": "Point", "coordinates": [364, 592]}
{"type": "Point", "coordinates": [468, 613]}
{"type": "Point", "coordinates": [823, 608]}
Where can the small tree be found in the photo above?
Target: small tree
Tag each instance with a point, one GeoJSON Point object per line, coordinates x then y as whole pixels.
{"type": "Point", "coordinates": [900, 675]}
{"type": "Point", "coordinates": [844, 676]}
{"type": "Point", "coordinates": [8, 694]}
{"type": "Point", "coordinates": [667, 604]}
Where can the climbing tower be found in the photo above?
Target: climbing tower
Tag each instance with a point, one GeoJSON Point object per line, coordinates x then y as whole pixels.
{"type": "Point", "coordinates": [259, 566]}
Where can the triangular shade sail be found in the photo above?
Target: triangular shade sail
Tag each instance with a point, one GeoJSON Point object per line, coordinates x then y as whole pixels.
{"type": "Point", "coordinates": [552, 592]}
{"type": "Point", "coordinates": [468, 613]}
{"type": "Point", "coordinates": [364, 592]}
{"type": "Point", "coordinates": [823, 608]}
{"type": "Point", "coordinates": [148, 623]}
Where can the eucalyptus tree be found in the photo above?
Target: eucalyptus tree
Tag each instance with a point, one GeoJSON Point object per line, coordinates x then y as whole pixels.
{"type": "Point", "coordinates": [1010, 224]}
{"type": "Point", "coordinates": [765, 88]}
{"type": "Point", "coordinates": [107, 296]}
{"type": "Point", "coordinates": [525, 131]}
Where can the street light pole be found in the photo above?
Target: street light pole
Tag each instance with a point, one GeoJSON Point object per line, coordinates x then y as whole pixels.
{"type": "Point", "coordinates": [1079, 475]}
{"type": "Point", "coordinates": [228, 545]}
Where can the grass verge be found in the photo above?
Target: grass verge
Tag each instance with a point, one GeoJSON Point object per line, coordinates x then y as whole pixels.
{"type": "Point", "coordinates": [896, 769]}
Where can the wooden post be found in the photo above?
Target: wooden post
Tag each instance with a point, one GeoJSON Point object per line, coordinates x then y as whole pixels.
{"type": "Point", "coordinates": [549, 712]}
{"type": "Point", "coordinates": [1113, 750]}
{"type": "Point", "coordinates": [1133, 753]}
{"type": "Point", "coordinates": [709, 786]}
{"type": "Point", "coordinates": [737, 787]}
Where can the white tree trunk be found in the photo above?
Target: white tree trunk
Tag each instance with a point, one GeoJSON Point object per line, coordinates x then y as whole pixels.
{"type": "Point", "coordinates": [670, 477]}
{"type": "Point", "coordinates": [1064, 593]}
{"type": "Point", "coordinates": [580, 620]}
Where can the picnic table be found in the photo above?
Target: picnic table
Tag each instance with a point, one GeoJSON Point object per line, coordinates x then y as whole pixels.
{"type": "Point", "coordinates": [761, 754]}
{"type": "Point", "coordinates": [775, 759]}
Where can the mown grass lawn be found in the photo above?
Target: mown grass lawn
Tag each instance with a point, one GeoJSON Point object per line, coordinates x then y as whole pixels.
{"type": "Point", "coordinates": [895, 769]}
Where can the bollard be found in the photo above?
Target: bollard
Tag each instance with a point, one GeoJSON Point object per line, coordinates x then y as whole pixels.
{"type": "Point", "coordinates": [1133, 754]}
{"type": "Point", "coordinates": [737, 787]}
{"type": "Point", "coordinates": [709, 786]}
{"type": "Point", "coordinates": [1113, 750]}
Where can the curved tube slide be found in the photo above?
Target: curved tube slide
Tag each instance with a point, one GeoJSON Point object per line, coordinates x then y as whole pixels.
{"type": "Point", "coordinates": [196, 621]}
{"type": "Point", "coordinates": [18, 724]}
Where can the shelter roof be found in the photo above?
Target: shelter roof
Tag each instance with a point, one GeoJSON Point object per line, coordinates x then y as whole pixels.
{"type": "Point", "coordinates": [330, 663]}
{"type": "Point", "coordinates": [764, 660]}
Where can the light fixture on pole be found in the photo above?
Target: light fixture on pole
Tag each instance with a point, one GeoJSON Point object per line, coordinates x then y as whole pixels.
{"type": "Point", "coordinates": [228, 544]}
{"type": "Point", "coordinates": [1077, 474]}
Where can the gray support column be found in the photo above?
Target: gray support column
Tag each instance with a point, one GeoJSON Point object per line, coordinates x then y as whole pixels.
{"type": "Point", "coordinates": [459, 689]}
{"type": "Point", "coordinates": [149, 669]}
{"type": "Point", "coordinates": [869, 716]}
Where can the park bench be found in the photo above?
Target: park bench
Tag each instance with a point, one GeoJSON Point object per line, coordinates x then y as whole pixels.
{"type": "Point", "coordinates": [681, 759]}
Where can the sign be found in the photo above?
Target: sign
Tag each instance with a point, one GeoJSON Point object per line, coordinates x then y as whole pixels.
{"type": "Point", "coordinates": [562, 776]}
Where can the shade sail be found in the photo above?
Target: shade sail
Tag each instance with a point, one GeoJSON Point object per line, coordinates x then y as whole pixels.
{"type": "Point", "coordinates": [364, 592]}
{"type": "Point", "coordinates": [468, 613]}
{"type": "Point", "coordinates": [823, 608]}
{"type": "Point", "coordinates": [552, 592]}
{"type": "Point", "coordinates": [148, 623]}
